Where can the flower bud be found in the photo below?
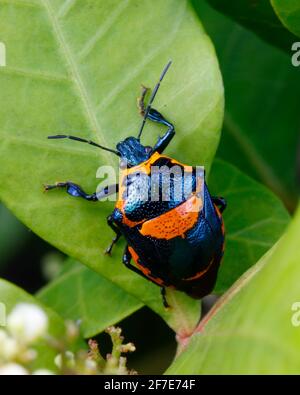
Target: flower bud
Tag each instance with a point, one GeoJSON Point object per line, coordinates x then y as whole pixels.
{"type": "Point", "coordinates": [27, 322]}
{"type": "Point", "coordinates": [69, 360]}
{"type": "Point", "coordinates": [8, 346]}
{"type": "Point", "coordinates": [12, 369]}
{"type": "Point", "coordinates": [43, 372]}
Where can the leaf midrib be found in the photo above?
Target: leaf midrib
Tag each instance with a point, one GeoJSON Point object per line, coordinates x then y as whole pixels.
{"type": "Point", "coordinates": [77, 80]}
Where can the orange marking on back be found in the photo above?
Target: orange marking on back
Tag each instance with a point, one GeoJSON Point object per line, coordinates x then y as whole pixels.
{"type": "Point", "coordinates": [199, 274]}
{"type": "Point", "coordinates": [175, 222]}
{"type": "Point", "coordinates": [134, 255]}
{"type": "Point", "coordinates": [221, 219]}
{"type": "Point", "coordinates": [144, 270]}
{"type": "Point", "coordinates": [130, 223]}
{"type": "Point", "coordinates": [222, 227]}
{"type": "Point", "coordinates": [218, 211]}
{"type": "Point", "coordinates": [187, 168]}
{"type": "Point", "coordinates": [144, 167]}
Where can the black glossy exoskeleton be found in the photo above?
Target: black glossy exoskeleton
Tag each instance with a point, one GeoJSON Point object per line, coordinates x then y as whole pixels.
{"type": "Point", "coordinates": [176, 242]}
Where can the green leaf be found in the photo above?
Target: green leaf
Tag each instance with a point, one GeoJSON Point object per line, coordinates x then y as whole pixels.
{"type": "Point", "coordinates": [252, 330]}
{"type": "Point", "coordinates": [75, 68]}
{"type": "Point", "coordinates": [258, 16]}
{"type": "Point", "coordinates": [11, 295]}
{"type": "Point", "coordinates": [81, 294]}
{"type": "Point", "coordinates": [254, 220]}
{"type": "Point", "coordinates": [288, 12]}
{"type": "Point", "coordinates": [12, 235]}
{"type": "Point", "coordinates": [261, 128]}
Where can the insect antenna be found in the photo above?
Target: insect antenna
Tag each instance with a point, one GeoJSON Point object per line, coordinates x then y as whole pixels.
{"type": "Point", "coordinates": [63, 136]}
{"type": "Point", "coordinates": [153, 96]}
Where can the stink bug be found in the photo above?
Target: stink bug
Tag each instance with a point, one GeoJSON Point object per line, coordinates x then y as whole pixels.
{"type": "Point", "coordinates": [176, 242]}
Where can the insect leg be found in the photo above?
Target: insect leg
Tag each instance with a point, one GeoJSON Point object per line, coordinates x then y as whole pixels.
{"type": "Point", "coordinates": [164, 297]}
{"type": "Point", "coordinates": [75, 190]}
{"type": "Point", "coordinates": [111, 224]}
{"type": "Point", "coordinates": [164, 141]}
{"type": "Point", "coordinates": [220, 202]}
{"type": "Point", "coordinates": [126, 261]}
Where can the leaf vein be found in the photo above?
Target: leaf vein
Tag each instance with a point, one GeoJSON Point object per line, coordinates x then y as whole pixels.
{"type": "Point", "coordinates": [20, 3]}
{"type": "Point", "coordinates": [78, 83]}
{"type": "Point", "coordinates": [103, 29]}
{"type": "Point", "coordinates": [65, 8]}
{"type": "Point", "coordinates": [35, 74]}
{"type": "Point", "coordinates": [256, 225]}
{"type": "Point", "coordinates": [146, 60]}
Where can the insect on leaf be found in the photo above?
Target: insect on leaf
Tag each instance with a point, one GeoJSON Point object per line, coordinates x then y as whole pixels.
{"type": "Point", "coordinates": [65, 76]}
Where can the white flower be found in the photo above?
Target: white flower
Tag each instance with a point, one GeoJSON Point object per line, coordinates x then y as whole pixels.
{"type": "Point", "coordinates": [43, 372]}
{"type": "Point", "coordinates": [58, 361]}
{"type": "Point", "coordinates": [90, 366]}
{"type": "Point", "coordinates": [27, 322]}
{"type": "Point", "coordinates": [3, 336]}
{"type": "Point", "coordinates": [8, 346]}
{"type": "Point", "coordinates": [28, 355]}
{"type": "Point", "coordinates": [69, 359]}
{"type": "Point", "coordinates": [12, 369]}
